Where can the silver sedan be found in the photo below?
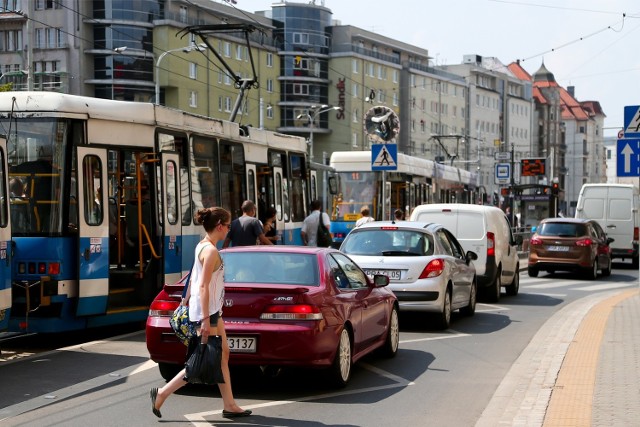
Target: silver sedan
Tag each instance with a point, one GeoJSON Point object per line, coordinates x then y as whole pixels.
{"type": "Point", "coordinates": [428, 268]}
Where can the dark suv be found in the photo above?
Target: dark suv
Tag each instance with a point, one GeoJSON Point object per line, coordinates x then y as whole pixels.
{"type": "Point", "coordinates": [570, 244]}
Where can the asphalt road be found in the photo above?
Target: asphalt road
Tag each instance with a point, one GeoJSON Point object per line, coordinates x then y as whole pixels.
{"type": "Point", "coordinates": [443, 378]}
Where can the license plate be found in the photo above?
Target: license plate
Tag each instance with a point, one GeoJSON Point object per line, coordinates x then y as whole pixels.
{"type": "Point", "coordinates": [558, 248]}
{"type": "Point", "coordinates": [391, 274]}
{"type": "Point", "coordinates": [241, 344]}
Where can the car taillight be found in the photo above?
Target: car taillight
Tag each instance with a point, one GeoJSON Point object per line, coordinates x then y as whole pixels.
{"type": "Point", "coordinates": [291, 312]}
{"type": "Point", "coordinates": [162, 308]}
{"type": "Point", "coordinates": [433, 269]}
{"type": "Point", "coordinates": [584, 242]}
{"type": "Point", "coordinates": [535, 241]}
{"type": "Point", "coordinates": [635, 233]}
{"type": "Point", "coordinates": [491, 244]}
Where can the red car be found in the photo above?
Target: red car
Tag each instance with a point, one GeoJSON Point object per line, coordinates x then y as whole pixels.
{"type": "Point", "coordinates": [289, 306]}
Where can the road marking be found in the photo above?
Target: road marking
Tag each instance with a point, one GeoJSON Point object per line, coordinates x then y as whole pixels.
{"type": "Point", "coordinates": [491, 308]}
{"type": "Point", "coordinates": [602, 287]}
{"type": "Point", "coordinates": [198, 418]}
{"type": "Point", "coordinates": [440, 337]}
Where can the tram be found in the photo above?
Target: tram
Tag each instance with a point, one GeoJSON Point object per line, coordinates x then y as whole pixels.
{"type": "Point", "coordinates": [97, 200]}
{"type": "Point", "coordinates": [416, 181]}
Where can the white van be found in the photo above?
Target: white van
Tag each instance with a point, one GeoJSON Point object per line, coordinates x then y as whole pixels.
{"type": "Point", "coordinates": [615, 208]}
{"type": "Point", "coordinates": [484, 230]}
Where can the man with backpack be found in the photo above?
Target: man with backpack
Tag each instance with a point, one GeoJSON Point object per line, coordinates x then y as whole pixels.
{"type": "Point", "coordinates": [311, 225]}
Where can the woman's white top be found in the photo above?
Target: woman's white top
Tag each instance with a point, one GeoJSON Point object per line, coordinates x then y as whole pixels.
{"type": "Point", "coordinates": [216, 288]}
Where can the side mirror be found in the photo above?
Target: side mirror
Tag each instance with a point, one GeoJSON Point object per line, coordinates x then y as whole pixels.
{"type": "Point", "coordinates": [380, 280]}
{"type": "Point", "coordinates": [471, 256]}
{"type": "Point", "coordinates": [333, 185]}
{"type": "Point", "coordinates": [610, 240]}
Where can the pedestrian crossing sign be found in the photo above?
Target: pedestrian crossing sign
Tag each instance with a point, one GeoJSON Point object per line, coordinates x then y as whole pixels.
{"type": "Point", "coordinates": [632, 121]}
{"type": "Point", "coordinates": [384, 157]}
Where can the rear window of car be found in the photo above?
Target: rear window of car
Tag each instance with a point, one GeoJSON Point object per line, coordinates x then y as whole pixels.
{"type": "Point", "coordinates": [560, 229]}
{"type": "Point", "coordinates": [270, 268]}
{"type": "Point", "coordinates": [388, 242]}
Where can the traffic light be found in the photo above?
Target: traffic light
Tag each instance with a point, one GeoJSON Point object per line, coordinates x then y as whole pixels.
{"type": "Point", "coordinates": [555, 189]}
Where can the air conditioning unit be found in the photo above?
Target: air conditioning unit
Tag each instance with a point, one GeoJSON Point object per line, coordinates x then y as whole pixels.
{"type": "Point", "coordinates": [472, 59]}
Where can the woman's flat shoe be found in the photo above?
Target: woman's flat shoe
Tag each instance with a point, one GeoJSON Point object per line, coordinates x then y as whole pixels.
{"type": "Point", "coordinates": [229, 414]}
{"type": "Point", "coordinates": [154, 394]}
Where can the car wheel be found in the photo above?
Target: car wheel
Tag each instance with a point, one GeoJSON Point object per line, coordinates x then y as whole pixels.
{"type": "Point", "coordinates": [390, 348]}
{"type": "Point", "coordinates": [169, 370]}
{"type": "Point", "coordinates": [592, 273]}
{"type": "Point", "coordinates": [533, 272]}
{"type": "Point", "coordinates": [341, 368]}
{"type": "Point", "coordinates": [445, 315]}
{"type": "Point", "coordinates": [514, 287]}
{"type": "Point", "coordinates": [493, 291]}
{"type": "Point", "coordinates": [607, 271]}
{"type": "Point", "coordinates": [470, 309]}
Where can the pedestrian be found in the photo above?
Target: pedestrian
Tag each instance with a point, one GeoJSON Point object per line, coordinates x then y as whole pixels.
{"type": "Point", "coordinates": [270, 231]}
{"type": "Point", "coordinates": [309, 231]}
{"type": "Point", "coordinates": [364, 211]}
{"type": "Point", "coordinates": [207, 297]}
{"type": "Point", "coordinates": [398, 214]}
{"type": "Point", "coordinates": [246, 230]}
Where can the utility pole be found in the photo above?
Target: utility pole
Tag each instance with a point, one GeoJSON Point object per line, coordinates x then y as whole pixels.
{"type": "Point", "coordinates": [512, 189]}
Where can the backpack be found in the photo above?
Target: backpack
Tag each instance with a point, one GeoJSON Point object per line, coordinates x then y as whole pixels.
{"type": "Point", "coordinates": [323, 238]}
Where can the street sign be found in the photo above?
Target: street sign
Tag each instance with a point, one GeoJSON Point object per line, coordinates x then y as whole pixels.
{"type": "Point", "coordinates": [533, 167]}
{"type": "Point", "coordinates": [503, 173]}
{"type": "Point", "coordinates": [628, 157]}
{"type": "Point", "coordinates": [632, 121]}
{"type": "Point", "coordinates": [384, 157]}
{"type": "Point", "coordinates": [502, 155]}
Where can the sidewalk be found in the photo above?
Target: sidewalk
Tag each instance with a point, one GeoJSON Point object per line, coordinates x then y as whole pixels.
{"type": "Point", "coordinates": [582, 368]}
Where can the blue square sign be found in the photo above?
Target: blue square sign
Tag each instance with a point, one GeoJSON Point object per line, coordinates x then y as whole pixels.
{"type": "Point", "coordinates": [384, 157]}
{"type": "Point", "coordinates": [628, 157]}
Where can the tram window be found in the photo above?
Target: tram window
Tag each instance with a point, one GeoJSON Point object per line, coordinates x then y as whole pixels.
{"type": "Point", "coordinates": [314, 193]}
{"type": "Point", "coordinates": [296, 197]}
{"type": "Point", "coordinates": [232, 176]}
{"type": "Point", "coordinates": [185, 200]}
{"type": "Point", "coordinates": [251, 186]}
{"type": "Point", "coordinates": [171, 192]}
{"type": "Point", "coordinates": [205, 180]}
{"type": "Point", "coordinates": [279, 195]}
{"type": "Point", "coordinates": [93, 197]}
{"type": "Point", "coordinates": [4, 211]}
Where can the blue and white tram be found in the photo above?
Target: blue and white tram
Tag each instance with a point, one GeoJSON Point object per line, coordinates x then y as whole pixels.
{"type": "Point", "coordinates": [103, 196]}
{"type": "Point", "coordinates": [416, 181]}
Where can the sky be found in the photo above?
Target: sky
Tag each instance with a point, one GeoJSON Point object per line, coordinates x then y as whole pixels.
{"type": "Point", "coordinates": [589, 44]}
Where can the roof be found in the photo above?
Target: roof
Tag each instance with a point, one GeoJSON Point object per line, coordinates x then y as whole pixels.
{"type": "Point", "coordinates": [567, 220]}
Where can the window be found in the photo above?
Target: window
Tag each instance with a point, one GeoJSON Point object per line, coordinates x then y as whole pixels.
{"type": "Point", "coordinates": [269, 59]}
{"type": "Point", "coordinates": [93, 197]}
{"type": "Point", "coordinates": [193, 70]}
{"type": "Point", "coordinates": [395, 77]}
{"type": "Point", "coordinates": [47, 4]}
{"type": "Point", "coordinates": [239, 52]}
{"type": "Point", "coordinates": [227, 104]}
{"type": "Point", "coordinates": [183, 14]}
{"type": "Point", "coordinates": [354, 139]}
{"type": "Point", "coordinates": [226, 46]}
{"type": "Point", "coordinates": [269, 112]}
{"type": "Point", "coordinates": [39, 43]}
{"type": "Point", "coordinates": [297, 185]}
{"type": "Point", "coordinates": [171, 192]}
{"type": "Point", "coordinates": [193, 99]}
{"type": "Point", "coordinates": [355, 66]}
{"type": "Point", "coordinates": [300, 38]}
{"type": "Point", "coordinates": [395, 98]}
{"type": "Point", "coordinates": [300, 89]}
{"type": "Point", "coordinates": [269, 85]}
{"type": "Point", "coordinates": [354, 89]}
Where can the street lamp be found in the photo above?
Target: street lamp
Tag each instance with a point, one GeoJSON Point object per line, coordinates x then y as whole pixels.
{"type": "Point", "coordinates": [311, 114]}
{"type": "Point", "coordinates": [200, 48]}
{"type": "Point", "coordinates": [117, 50]}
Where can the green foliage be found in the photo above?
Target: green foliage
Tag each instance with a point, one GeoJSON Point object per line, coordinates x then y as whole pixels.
{"type": "Point", "coordinates": [8, 87]}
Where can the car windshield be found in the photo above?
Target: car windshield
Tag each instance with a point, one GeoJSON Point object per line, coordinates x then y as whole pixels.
{"type": "Point", "coordinates": [388, 242]}
{"type": "Point", "coordinates": [270, 268]}
{"type": "Point", "coordinates": [560, 229]}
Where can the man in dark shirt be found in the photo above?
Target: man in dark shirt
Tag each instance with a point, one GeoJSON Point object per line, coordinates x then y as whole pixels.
{"type": "Point", "coordinates": [246, 230]}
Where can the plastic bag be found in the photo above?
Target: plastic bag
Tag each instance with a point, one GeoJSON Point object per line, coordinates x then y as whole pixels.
{"type": "Point", "coordinates": [204, 365]}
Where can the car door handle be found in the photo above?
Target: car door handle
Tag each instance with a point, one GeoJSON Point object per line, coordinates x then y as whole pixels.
{"type": "Point", "coordinates": [611, 226]}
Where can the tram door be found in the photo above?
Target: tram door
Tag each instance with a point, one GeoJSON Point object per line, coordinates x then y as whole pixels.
{"type": "Point", "coordinates": [5, 240]}
{"type": "Point", "coordinates": [252, 192]}
{"type": "Point", "coordinates": [172, 230]}
{"type": "Point", "coordinates": [93, 227]}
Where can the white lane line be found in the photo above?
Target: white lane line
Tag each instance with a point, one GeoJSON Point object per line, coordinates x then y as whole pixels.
{"type": "Point", "coordinates": [198, 418]}
{"type": "Point", "coordinates": [602, 287]}
{"type": "Point", "coordinates": [555, 284]}
{"type": "Point", "coordinates": [440, 337]}
{"type": "Point", "coordinates": [73, 390]}
{"type": "Point", "coordinates": [491, 308]}
{"type": "Point", "coordinates": [547, 295]}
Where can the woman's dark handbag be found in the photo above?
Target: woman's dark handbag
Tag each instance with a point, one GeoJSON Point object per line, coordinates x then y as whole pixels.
{"type": "Point", "coordinates": [204, 365]}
